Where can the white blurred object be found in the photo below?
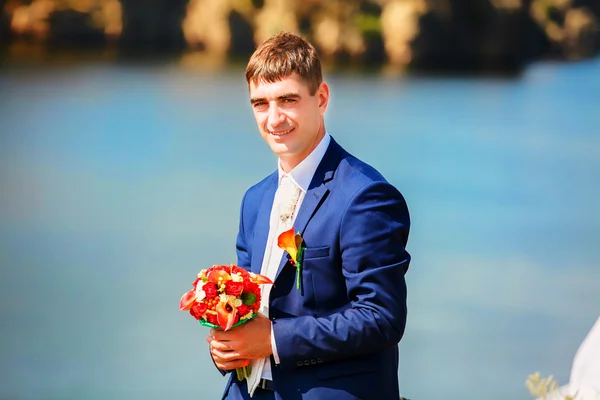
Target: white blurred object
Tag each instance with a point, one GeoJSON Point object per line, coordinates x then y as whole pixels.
{"type": "Point", "coordinates": [585, 372]}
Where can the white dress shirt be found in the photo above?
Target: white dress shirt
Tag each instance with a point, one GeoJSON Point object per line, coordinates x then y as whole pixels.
{"type": "Point", "coordinates": [301, 175]}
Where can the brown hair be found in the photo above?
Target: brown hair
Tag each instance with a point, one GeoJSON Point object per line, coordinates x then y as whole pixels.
{"type": "Point", "coordinates": [280, 56]}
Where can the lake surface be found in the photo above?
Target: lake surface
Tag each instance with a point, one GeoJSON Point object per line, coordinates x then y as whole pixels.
{"type": "Point", "coordinates": [119, 183]}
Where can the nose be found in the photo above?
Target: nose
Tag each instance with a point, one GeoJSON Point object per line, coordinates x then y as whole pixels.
{"type": "Point", "coordinates": [275, 118]}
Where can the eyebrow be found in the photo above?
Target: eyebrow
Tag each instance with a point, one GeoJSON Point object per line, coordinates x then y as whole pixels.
{"type": "Point", "coordinates": [284, 96]}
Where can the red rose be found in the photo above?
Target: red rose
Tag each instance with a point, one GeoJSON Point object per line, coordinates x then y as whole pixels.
{"type": "Point", "coordinates": [211, 290]}
{"type": "Point", "coordinates": [212, 318]}
{"type": "Point", "coordinates": [198, 309]}
{"type": "Point", "coordinates": [251, 287]}
{"type": "Point", "coordinates": [245, 274]}
{"type": "Point", "coordinates": [219, 268]}
{"type": "Point", "coordinates": [234, 288]}
{"type": "Point", "coordinates": [243, 310]}
{"type": "Point", "coordinates": [256, 305]}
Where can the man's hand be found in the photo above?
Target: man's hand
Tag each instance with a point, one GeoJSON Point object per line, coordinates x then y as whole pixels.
{"type": "Point", "coordinates": [235, 348]}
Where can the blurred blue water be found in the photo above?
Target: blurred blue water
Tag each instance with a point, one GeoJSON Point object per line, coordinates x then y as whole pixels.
{"type": "Point", "coordinates": [117, 184]}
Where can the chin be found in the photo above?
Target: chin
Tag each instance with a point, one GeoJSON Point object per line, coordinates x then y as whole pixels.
{"type": "Point", "coordinates": [280, 151]}
{"type": "Point", "coordinates": [279, 148]}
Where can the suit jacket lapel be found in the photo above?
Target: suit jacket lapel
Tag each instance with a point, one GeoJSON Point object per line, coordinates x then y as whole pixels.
{"type": "Point", "coordinates": [261, 229]}
{"type": "Point", "coordinates": [316, 193]}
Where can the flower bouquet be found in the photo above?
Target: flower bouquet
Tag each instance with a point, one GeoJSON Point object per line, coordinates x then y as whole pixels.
{"type": "Point", "coordinates": [223, 297]}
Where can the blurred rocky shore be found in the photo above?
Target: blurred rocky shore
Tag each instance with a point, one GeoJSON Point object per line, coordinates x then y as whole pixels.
{"type": "Point", "coordinates": [443, 35]}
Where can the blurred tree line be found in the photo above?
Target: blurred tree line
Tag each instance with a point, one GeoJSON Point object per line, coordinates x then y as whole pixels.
{"type": "Point", "coordinates": [422, 34]}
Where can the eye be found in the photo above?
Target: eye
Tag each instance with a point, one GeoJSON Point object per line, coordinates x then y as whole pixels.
{"type": "Point", "coordinates": [259, 105]}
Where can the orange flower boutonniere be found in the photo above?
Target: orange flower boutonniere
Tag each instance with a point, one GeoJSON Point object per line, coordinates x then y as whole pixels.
{"type": "Point", "coordinates": [294, 245]}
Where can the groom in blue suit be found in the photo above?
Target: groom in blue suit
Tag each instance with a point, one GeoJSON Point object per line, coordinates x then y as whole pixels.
{"type": "Point", "coordinates": [330, 331]}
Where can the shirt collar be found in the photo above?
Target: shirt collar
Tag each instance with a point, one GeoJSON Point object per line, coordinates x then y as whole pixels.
{"type": "Point", "coordinates": [303, 173]}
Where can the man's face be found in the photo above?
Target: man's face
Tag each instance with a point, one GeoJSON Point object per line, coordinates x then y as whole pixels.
{"type": "Point", "coordinates": [289, 118]}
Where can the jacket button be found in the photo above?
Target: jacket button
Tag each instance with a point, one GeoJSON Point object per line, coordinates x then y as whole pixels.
{"type": "Point", "coordinates": [319, 360]}
{"type": "Point", "coordinates": [299, 363]}
{"type": "Point", "coordinates": [306, 362]}
{"type": "Point", "coordinates": [313, 361]}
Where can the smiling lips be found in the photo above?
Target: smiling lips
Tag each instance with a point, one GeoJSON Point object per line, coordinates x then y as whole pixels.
{"type": "Point", "coordinates": [282, 133]}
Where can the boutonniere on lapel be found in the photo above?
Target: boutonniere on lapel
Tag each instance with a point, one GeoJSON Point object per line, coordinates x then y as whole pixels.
{"type": "Point", "coordinates": [294, 245]}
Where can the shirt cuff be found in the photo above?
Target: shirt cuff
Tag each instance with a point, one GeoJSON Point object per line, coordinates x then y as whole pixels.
{"type": "Point", "coordinates": [274, 346]}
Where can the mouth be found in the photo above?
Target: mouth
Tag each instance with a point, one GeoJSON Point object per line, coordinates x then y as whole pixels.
{"type": "Point", "coordinates": [280, 133]}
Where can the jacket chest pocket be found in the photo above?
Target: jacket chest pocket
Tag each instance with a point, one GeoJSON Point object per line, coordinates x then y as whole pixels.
{"type": "Point", "coordinates": [316, 252]}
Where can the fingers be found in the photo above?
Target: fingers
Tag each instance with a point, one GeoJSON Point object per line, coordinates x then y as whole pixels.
{"type": "Point", "coordinates": [222, 351]}
{"type": "Point", "coordinates": [234, 334]}
{"type": "Point", "coordinates": [219, 345]}
{"type": "Point", "coordinates": [223, 346]}
{"type": "Point", "coordinates": [224, 355]}
{"type": "Point", "coordinates": [228, 360]}
{"type": "Point", "coordinates": [222, 335]}
{"type": "Point", "coordinates": [229, 365]}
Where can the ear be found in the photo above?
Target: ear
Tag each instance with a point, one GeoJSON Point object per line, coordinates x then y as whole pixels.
{"type": "Point", "coordinates": [323, 97]}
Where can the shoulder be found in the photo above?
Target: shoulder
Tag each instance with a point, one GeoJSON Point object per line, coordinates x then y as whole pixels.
{"type": "Point", "coordinates": [354, 176]}
{"type": "Point", "coordinates": [369, 199]}
{"type": "Point", "coordinates": [359, 171]}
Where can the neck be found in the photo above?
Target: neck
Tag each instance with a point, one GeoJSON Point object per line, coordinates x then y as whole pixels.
{"type": "Point", "coordinates": [290, 162]}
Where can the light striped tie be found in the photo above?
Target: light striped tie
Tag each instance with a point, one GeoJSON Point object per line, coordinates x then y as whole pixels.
{"type": "Point", "coordinates": [286, 198]}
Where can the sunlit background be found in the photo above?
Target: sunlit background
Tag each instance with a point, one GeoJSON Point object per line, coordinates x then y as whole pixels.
{"type": "Point", "coordinates": [127, 142]}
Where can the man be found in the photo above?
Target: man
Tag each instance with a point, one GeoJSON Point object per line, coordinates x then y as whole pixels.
{"type": "Point", "coordinates": [333, 327]}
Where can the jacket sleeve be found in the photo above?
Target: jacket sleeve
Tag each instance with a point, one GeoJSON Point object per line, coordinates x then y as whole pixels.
{"type": "Point", "coordinates": [372, 238]}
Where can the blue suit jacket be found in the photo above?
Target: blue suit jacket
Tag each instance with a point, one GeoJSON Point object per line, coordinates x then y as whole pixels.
{"type": "Point", "coordinates": [337, 337]}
